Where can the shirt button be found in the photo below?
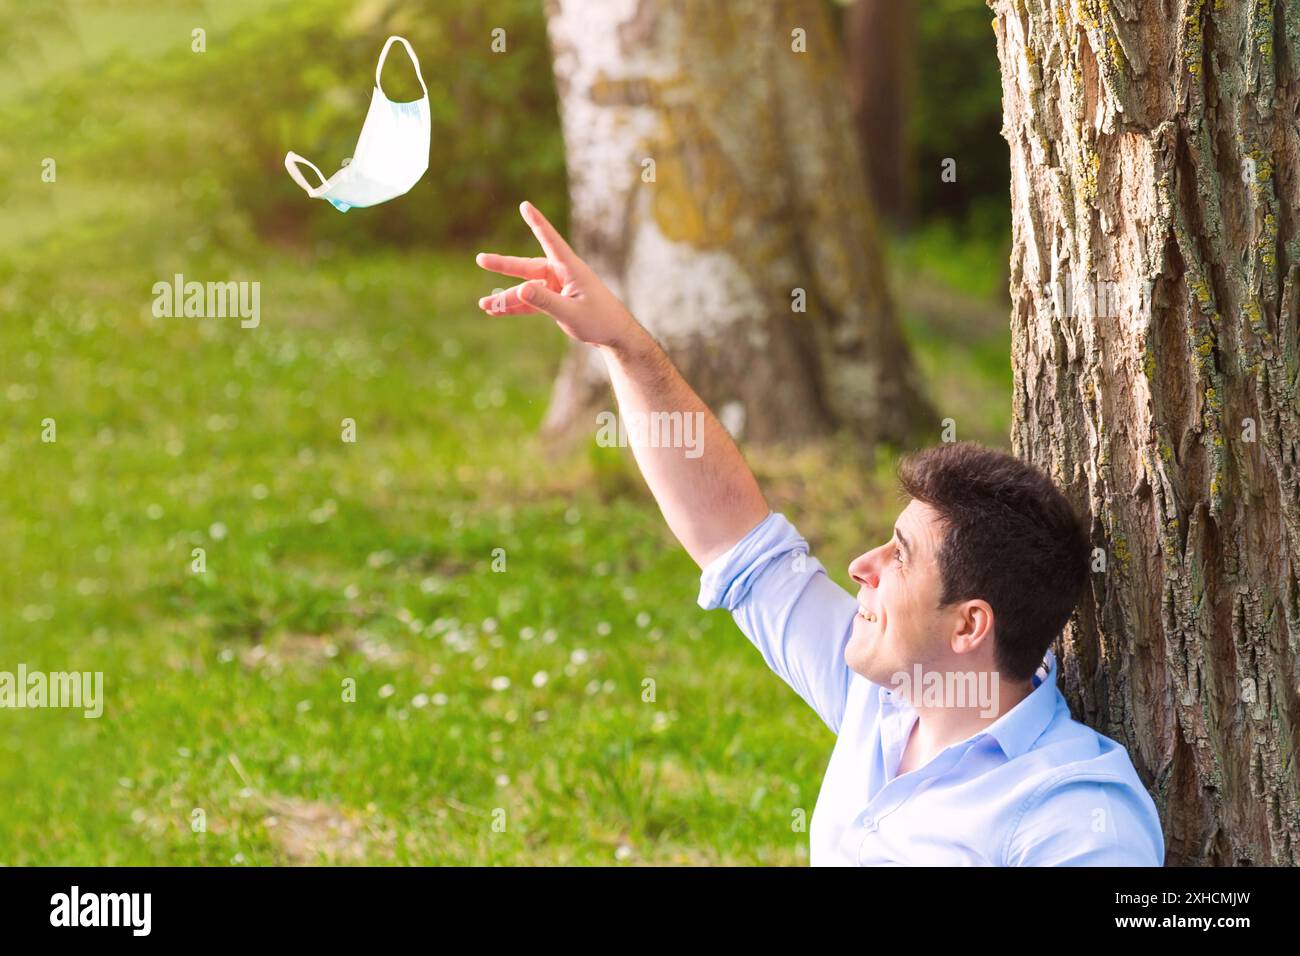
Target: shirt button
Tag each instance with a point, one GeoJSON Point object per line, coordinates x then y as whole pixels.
{"type": "Point", "coordinates": [869, 823]}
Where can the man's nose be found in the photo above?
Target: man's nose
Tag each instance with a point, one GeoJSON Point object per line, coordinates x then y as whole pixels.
{"type": "Point", "coordinates": [865, 568]}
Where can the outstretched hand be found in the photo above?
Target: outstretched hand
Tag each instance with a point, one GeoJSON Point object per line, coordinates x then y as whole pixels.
{"type": "Point", "coordinates": [709, 499]}
{"type": "Point", "coordinates": [558, 284]}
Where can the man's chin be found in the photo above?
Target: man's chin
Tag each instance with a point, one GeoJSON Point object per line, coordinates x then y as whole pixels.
{"type": "Point", "coordinates": [859, 658]}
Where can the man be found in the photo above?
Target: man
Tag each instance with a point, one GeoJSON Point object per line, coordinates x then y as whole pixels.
{"type": "Point", "coordinates": [984, 567]}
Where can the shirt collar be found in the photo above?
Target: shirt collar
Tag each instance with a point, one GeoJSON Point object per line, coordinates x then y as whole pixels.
{"type": "Point", "coordinates": [1017, 729]}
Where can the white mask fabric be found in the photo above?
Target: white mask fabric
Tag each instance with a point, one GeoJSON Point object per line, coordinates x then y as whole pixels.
{"type": "Point", "coordinates": [392, 151]}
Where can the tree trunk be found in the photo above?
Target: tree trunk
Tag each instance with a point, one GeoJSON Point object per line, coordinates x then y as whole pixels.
{"type": "Point", "coordinates": [879, 42]}
{"type": "Point", "coordinates": [716, 189]}
{"type": "Point", "coordinates": [1155, 178]}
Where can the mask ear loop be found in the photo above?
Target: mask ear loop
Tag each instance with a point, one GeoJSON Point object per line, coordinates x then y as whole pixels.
{"type": "Point", "coordinates": [291, 160]}
{"type": "Point", "coordinates": [415, 62]}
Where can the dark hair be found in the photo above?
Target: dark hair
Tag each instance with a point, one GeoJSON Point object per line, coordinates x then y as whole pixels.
{"type": "Point", "coordinates": [1010, 538]}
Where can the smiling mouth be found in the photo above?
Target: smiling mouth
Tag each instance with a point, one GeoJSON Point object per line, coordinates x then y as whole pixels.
{"type": "Point", "coordinates": [866, 615]}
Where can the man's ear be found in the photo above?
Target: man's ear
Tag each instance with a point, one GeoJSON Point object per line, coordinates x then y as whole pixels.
{"type": "Point", "coordinates": [973, 627]}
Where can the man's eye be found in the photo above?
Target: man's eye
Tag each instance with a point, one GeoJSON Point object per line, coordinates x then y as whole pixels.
{"type": "Point", "coordinates": [898, 556]}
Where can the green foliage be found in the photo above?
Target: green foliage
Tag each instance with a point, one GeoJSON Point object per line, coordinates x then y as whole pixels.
{"type": "Point", "coordinates": [970, 264]}
{"type": "Point", "coordinates": [957, 113]}
{"type": "Point", "coordinates": [277, 76]}
{"type": "Point", "coordinates": [954, 311]}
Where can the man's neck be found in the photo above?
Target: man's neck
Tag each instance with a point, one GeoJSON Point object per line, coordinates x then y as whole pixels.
{"type": "Point", "coordinates": [940, 727]}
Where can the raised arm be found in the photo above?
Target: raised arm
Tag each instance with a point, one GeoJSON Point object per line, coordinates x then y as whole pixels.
{"type": "Point", "coordinates": [709, 499]}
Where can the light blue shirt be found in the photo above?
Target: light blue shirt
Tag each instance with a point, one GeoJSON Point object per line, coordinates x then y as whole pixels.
{"type": "Point", "coordinates": [1035, 788]}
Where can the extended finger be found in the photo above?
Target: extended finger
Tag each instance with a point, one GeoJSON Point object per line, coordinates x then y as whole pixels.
{"type": "Point", "coordinates": [506, 302]}
{"type": "Point", "coordinates": [521, 267]}
{"type": "Point", "coordinates": [552, 242]}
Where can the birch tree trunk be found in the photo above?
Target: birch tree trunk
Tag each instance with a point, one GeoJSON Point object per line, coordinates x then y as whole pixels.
{"type": "Point", "coordinates": [716, 188]}
{"type": "Point", "coordinates": [1155, 182]}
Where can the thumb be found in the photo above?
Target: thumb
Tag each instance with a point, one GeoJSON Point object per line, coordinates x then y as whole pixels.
{"type": "Point", "coordinates": [557, 306]}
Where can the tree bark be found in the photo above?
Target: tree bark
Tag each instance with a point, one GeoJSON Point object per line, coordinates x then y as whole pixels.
{"type": "Point", "coordinates": [879, 43]}
{"type": "Point", "coordinates": [1155, 175]}
{"type": "Point", "coordinates": [714, 181]}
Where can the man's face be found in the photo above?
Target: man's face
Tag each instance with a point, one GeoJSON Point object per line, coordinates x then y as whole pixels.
{"type": "Point", "coordinates": [900, 587]}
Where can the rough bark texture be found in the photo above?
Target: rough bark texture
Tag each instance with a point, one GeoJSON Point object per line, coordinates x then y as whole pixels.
{"type": "Point", "coordinates": [879, 42]}
{"type": "Point", "coordinates": [1155, 141]}
{"type": "Point", "coordinates": [758, 191]}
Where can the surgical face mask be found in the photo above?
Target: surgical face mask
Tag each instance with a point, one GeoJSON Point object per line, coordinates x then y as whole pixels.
{"type": "Point", "coordinates": [392, 152]}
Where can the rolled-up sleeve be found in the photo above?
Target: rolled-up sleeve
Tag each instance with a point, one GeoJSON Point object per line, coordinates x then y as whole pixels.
{"type": "Point", "coordinates": [784, 602]}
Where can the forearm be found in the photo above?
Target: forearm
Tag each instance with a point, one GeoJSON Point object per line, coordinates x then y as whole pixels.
{"type": "Point", "coordinates": [707, 493]}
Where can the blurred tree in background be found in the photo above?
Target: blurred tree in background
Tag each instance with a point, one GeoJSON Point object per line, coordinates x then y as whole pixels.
{"type": "Point", "coordinates": [879, 41]}
{"type": "Point", "coordinates": [923, 81]}
{"type": "Point", "coordinates": [717, 188]}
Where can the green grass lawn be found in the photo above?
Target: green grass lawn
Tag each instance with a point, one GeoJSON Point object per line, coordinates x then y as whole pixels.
{"type": "Point", "coordinates": [500, 716]}
{"type": "Point", "coordinates": [476, 689]}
